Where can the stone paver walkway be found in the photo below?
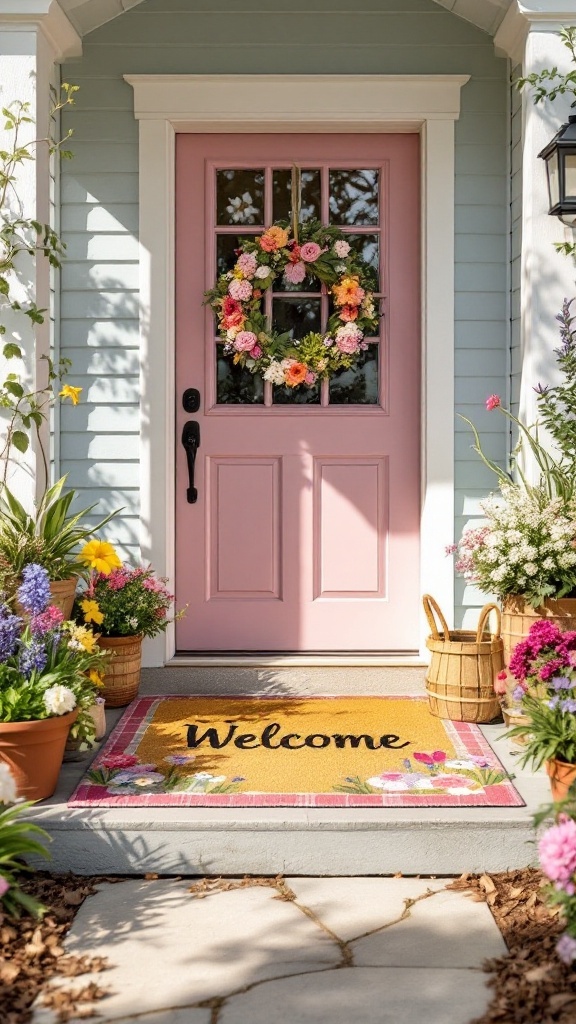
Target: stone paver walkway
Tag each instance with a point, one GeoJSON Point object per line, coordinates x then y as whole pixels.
{"type": "Point", "coordinates": [297, 950]}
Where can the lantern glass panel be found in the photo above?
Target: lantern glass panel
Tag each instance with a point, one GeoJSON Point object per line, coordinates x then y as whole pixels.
{"type": "Point", "coordinates": [570, 175]}
{"type": "Point", "coordinates": [553, 178]}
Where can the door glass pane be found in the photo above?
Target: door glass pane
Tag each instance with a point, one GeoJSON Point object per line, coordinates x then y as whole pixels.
{"type": "Point", "coordinates": [225, 254]}
{"type": "Point", "coordinates": [239, 197]}
{"type": "Point", "coordinates": [368, 248]}
{"type": "Point", "coordinates": [297, 316]}
{"type": "Point", "coordinates": [359, 385]}
{"type": "Point", "coordinates": [309, 195]}
{"type": "Point", "coordinates": [237, 386]}
{"type": "Point", "coordinates": [353, 197]}
{"type": "Point", "coordinates": [297, 396]}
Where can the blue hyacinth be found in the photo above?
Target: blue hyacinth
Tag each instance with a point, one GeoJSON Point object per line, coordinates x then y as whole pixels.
{"type": "Point", "coordinates": [33, 657]}
{"type": "Point", "coordinates": [34, 592]}
{"type": "Point", "coordinates": [10, 626]}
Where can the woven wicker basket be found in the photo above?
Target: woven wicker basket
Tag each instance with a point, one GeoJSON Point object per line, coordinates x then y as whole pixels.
{"type": "Point", "coordinates": [463, 667]}
{"type": "Point", "coordinates": [518, 616]}
{"type": "Point", "coordinates": [122, 678]}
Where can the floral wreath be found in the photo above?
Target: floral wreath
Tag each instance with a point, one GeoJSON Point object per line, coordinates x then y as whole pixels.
{"type": "Point", "coordinates": [325, 254]}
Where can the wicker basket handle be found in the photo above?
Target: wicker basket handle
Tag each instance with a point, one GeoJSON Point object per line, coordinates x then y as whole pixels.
{"type": "Point", "coordinates": [483, 619]}
{"type": "Point", "coordinates": [431, 608]}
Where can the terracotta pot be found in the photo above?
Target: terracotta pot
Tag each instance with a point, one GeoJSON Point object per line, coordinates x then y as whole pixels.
{"type": "Point", "coordinates": [122, 677]}
{"type": "Point", "coordinates": [34, 751]}
{"type": "Point", "coordinates": [561, 775]}
{"type": "Point", "coordinates": [62, 594]}
{"type": "Point", "coordinates": [518, 616]}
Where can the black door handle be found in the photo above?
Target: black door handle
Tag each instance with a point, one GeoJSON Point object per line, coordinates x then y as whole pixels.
{"type": "Point", "coordinates": [191, 442]}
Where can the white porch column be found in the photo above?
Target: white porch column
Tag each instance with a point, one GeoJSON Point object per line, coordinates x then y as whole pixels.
{"type": "Point", "coordinates": [529, 35]}
{"type": "Point", "coordinates": [34, 35]}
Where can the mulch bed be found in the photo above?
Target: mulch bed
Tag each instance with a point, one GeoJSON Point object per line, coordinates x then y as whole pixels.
{"type": "Point", "coordinates": [530, 984]}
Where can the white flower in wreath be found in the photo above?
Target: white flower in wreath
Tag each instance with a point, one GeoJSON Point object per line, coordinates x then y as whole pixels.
{"type": "Point", "coordinates": [274, 373]}
{"type": "Point", "coordinates": [59, 700]}
{"type": "Point", "coordinates": [263, 272]}
{"type": "Point", "coordinates": [342, 248]}
{"type": "Point", "coordinates": [7, 785]}
{"type": "Point", "coordinates": [241, 211]}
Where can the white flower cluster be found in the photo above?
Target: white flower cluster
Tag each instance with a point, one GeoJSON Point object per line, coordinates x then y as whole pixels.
{"type": "Point", "coordinates": [7, 785]}
{"type": "Point", "coordinates": [275, 373]}
{"type": "Point", "coordinates": [59, 700]}
{"type": "Point", "coordinates": [529, 545]}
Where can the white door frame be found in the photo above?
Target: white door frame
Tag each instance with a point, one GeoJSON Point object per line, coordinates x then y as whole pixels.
{"type": "Point", "coordinates": [167, 104]}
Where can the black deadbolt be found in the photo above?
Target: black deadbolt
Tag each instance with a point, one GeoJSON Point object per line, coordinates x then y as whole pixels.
{"type": "Point", "coordinates": [191, 400]}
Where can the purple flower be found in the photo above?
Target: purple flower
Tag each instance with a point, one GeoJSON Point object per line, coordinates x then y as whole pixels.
{"type": "Point", "coordinates": [518, 693]}
{"type": "Point", "coordinates": [553, 703]}
{"type": "Point", "coordinates": [10, 626]}
{"type": "Point", "coordinates": [239, 778]}
{"type": "Point", "coordinates": [34, 593]}
{"type": "Point", "coordinates": [566, 948]}
{"type": "Point", "coordinates": [562, 683]}
{"type": "Point", "coordinates": [33, 657]}
{"type": "Point", "coordinates": [568, 705]}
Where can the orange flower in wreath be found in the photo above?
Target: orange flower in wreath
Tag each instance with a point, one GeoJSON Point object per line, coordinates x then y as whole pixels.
{"type": "Point", "coordinates": [348, 292]}
{"type": "Point", "coordinates": [273, 238]}
{"type": "Point", "coordinates": [295, 374]}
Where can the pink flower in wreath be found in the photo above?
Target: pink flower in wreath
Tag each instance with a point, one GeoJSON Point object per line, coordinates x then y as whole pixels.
{"type": "Point", "coordinates": [256, 352]}
{"type": "Point", "coordinates": [310, 252]}
{"type": "Point", "coordinates": [310, 378]}
{"type": "Point", "coordinates": [247, 263]}
{"type": "Point", "coordinates": [295, 272]}
{"type": "Point", "coordinates": [341, 248]}
{"type": "Point", "coordinates": [240, 290]}
{"type": "Point", "coordinates": [245, 341]}
{"type": "Point", "coordinates": [347, 342]}
{"type": "Point", "coordinates": [349, 313]}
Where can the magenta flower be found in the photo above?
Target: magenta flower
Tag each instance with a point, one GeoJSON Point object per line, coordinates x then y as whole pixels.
{"type": "Point", "coordinates": [557, 849]}
{"type": "Point", "coordinates": [46, 621]}
{"type": "Point", "coordinates": [436, 757]}
{"type": "Point", "coordinates": [492, 402]}
{"type": "Point", "coordinates": [118, 761]}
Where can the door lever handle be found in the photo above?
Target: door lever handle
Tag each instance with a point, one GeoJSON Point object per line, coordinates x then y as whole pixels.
{"type": "Point", "coordinates": [191, 443]}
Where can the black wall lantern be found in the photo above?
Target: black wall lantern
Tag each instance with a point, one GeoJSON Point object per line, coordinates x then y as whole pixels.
{"type": "Point", "coordinates": [560, 157]}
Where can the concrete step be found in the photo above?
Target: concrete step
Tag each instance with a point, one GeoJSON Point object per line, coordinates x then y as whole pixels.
{"type": "Point", "coordinates": [298, 841]}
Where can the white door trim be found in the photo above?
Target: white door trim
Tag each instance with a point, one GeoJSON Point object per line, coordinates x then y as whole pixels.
{"type": "Point", "coordinates": [167, 104]}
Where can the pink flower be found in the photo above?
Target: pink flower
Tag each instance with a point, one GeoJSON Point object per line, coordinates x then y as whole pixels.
{"type": "Point", "coordinates": [244, 341]}
{"type": "Point", "coordinates": [451, 781]}
{"type": "Point", "coordinates": [45, 621]}
{"type": "Point", "coordinates": [436, 757]}
{"type": "Point", "coordinates": [347, 343]}
{"type": "Point", "coordinates": [349, 313]}
{"type": "Point", "coordinates": [310, 378]}
{"type": "Point", "coordinates": [118, 761]}
{"type": "Point", "coordinates": [557, 849]}
{"type": "Point", "coordinates": [500, 686]}
{"type": "Point", "coordinates": [341, 248]}
{"type": "Point", "coordinates": [492, 402]}
{"type": "Point", "coordinates": [450, 549]}
{"type": "Point", "coordinates": [240, 290]}
{"type": "Point", "coordinates": [117, 579]}
{"type": "Point", "coordinates": [4, 886]}
{"type": "Point", "coordinates": [256, 352]}
{"type": "Point", "coordinates": [247, 263]}
{"type": "Point", "coordinates": [310, 252]}
{"type": "Point", "coordinates": [295, 272]}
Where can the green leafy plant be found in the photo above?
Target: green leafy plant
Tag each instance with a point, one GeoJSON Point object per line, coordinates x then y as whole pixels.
{"type": "Point", "coordinates": [18, 839]}
{"type": "Point", "coordinates": [26, 407]}
{"type": "Point", "coordinates": [550, 82]}
{"type": "Point", "coordinates": [49, 536]}
{"type": "Point", "coordinates": [124, 601]}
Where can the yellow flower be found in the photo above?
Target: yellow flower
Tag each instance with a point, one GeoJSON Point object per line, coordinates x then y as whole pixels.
{"type": "Point", "coordinates": [96, 678]}
{"type": "Point", "coordinates": [68, 391]}
{"type": "Point", "coordinates": [101, 556]}
{"type": "Point", "coordinates": [84, 636]}
{"type": "Point", "coordinates": [92, 612]}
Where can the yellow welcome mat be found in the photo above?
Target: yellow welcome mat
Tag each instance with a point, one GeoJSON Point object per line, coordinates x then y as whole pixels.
{"type": "Point", "coordinates": [293, 752]}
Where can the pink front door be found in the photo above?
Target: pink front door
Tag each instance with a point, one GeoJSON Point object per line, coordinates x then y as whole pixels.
{"type": "Point", "coordinates": [304, 535]}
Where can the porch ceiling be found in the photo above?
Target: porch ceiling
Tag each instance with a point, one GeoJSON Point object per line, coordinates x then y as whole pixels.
{"type": "Point", "coordinates": [87, 15]}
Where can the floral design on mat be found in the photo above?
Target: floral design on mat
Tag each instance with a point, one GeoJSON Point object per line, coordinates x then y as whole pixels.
{"type": "Point", "coordinates": [125, 775]}
{"type": "Point", "coordinates": [434, 773]}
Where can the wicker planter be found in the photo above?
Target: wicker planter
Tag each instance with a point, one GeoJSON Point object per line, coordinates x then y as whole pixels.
{"type": "Point", "coordinates": [518, 616]}
{"type": "Point", "coordinates": [561, 775]}
{"type": "Point", "coordinates": [463, 667]}
{"type": "Point", "coordinates": [34, 751]}
{"type": "Point", "coordinates": [62, 594]}
{"type": "Point", "coordinates": [513, 717]}
{"type": "Point", "coordinates": [122, 678]}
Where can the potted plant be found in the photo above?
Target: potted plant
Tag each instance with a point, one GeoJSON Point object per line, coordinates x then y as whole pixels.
{"type": "Point", "coordinates": [124, 604]}
{"type": "Point", "coordinates": [50, 672]}
{"type": "Point", "coordinates": [18, 839]}
{"type": "Point", "coordinates": [544, 669]}
{"type": "Point", "coordinates": [47, 537]}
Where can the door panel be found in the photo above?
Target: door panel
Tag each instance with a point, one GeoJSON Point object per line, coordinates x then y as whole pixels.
{"type": "Point", "coordinates": [305, 533]}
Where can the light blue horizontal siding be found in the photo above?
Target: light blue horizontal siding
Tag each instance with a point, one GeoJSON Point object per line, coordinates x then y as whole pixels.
{"type": "Point", "coordinates": [100, 196]}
